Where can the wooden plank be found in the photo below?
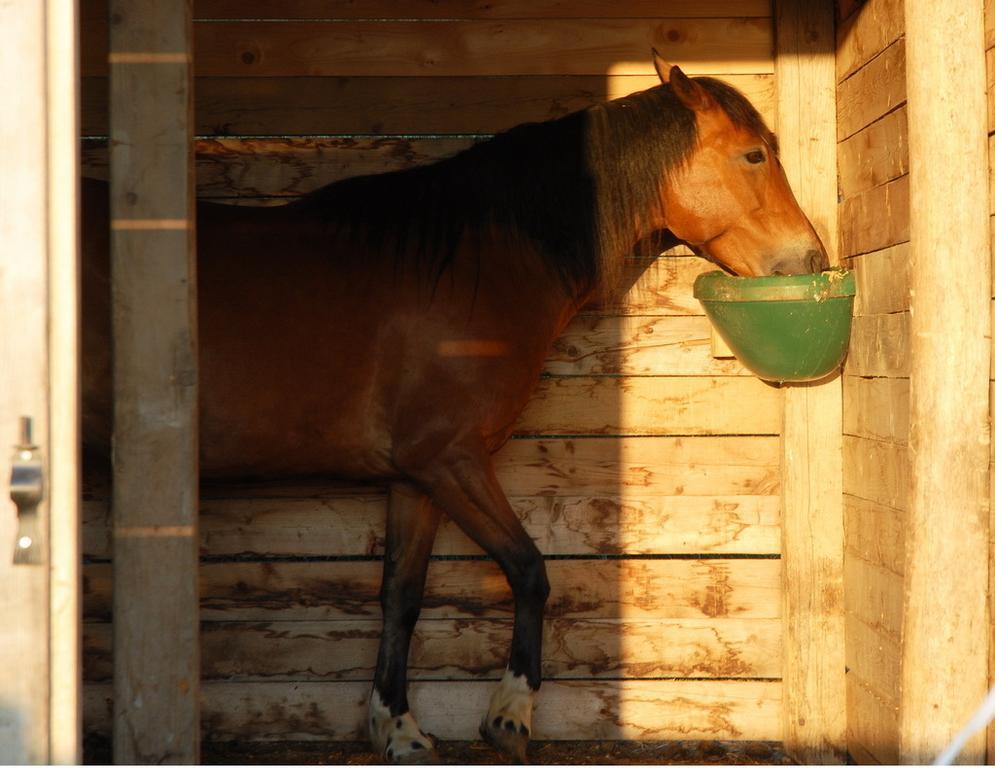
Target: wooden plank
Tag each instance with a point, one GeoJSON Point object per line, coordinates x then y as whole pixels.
{"type": "Point", "coordinates": [661, 466]}
{"type": "Point", "coordinates": [874, 659]}
{"type": "Point", "coordinates": [25, 713]}
{"type": "Point", "coordinates": [664, 286]}
{"type": "Point", "coordinates": [629, 589]}
{"type": "Point", "coordinates": [872, 92]}
{"type": "Point", "coordinates": [946, 571]}
{"type": "Point", "coordinates": [874, 596]}
{"type": "Point", "coordinates": [447, 649]}
{"type": "Point", "coordinates": [95, 11]}
{"type": "Point", "coordinates": [879, 346]}
{"type": "Point", "coordinates": [875, 533]}
{"type": "Point", "coordinates": [156, 682]}
{"type": "Point", "coordinates": [882, 280]}
{"type": "Point", "coordinates": [610, 709]}
{"type": "Point", "coordinates": [466, 48]}
{"type": "Point", "coordinates": [877, 408]}
{"type": "Point", "coordinates": [990, 90]}
{"type": "Point", "coordinates": [814, 713]}
{"type": "Point", "coordinates": [354, 525]}
{"type": "Point", "coordinates": [280, 106]}
{"type": "Point", "coordinates": [876, 470]}
{"type": "Point", "coordinates": [657, 405]}
{"type": "Point", "coordinates": [875, 155]}
{"type": "Point", "coordinates": [875, 219]}
{"type": "Point", "coordinates": [873, 724]}
{"type": "Point", "coordinates": [865, 35]}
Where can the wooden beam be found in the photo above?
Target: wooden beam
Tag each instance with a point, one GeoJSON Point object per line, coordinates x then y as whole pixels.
{"type": "Point", "coordinates": [814, 703]}
{"type": "Point", "coordinates": [945, 628]}
{"type": "Point", "coordinates": [156, 674]}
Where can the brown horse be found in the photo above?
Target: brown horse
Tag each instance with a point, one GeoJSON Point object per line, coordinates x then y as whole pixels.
{"type": "Point", "coordinates": [392, 327]}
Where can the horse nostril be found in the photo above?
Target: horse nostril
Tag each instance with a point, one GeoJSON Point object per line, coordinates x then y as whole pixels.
{"type": "Point", "coordinates": [817, 260]}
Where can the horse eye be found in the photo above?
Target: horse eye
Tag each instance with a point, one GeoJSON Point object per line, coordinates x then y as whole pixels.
{"type": "Point", "coordinates": [755, 157]}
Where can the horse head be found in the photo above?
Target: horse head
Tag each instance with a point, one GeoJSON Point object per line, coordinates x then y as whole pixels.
{"type": "Point", "coordinates": [730, 200]}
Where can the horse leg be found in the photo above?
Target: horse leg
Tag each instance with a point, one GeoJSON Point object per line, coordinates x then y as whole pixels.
{"type": "Point", "coordinates": [463, 484]}
{"type": "Point", "coordinates": [412, 521]}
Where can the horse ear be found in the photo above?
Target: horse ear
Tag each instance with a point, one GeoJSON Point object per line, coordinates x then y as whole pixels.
{"type": "Point", "coordinates": [690, 93]}
{"type": "Point", "coordinates": [662, 67]}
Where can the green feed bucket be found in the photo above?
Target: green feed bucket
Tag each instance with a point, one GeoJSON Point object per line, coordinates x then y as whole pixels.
{"type": "Point", "coordinates": [783, 328]}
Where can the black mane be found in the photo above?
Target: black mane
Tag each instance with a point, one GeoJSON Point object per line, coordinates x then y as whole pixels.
{"type": "Point", "coordinates": [572, 187]}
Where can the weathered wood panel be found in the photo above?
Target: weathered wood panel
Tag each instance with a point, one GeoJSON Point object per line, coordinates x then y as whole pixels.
{"type": "Point", "coordinates": [877, 408]}
{"type": "Point", "coordinates": [875, 219]}
{"type": "Point", "coordinates": [874, 155]}
{"type": "Point", "coordinates": [864, 35]}
{"type": "Point", "coordinates": [875, 533]}
{"type": "Point", "coordinates": [286, 106]}
{"type": "Point", "coordinates": [462, 48]}
{"type": "Point", "coordinates": [877, 597]}
{"type": "Point", "coordinates": [638, 405]}
{"type": "Point", "coordinates": [873, 724]}
{"type": "Point", "coordinates": [876, 470]}
{"type": "Point", "coordinates": [879, 345]}
{"type": "Point", "coordinates": [448, 649]}
{"type": "Point", "coordinates": [630, 589]}
{"type": "Point", "coordinates": [649, 710]}
{"type": "Point", "coordinates": [873, 91]}
{"type": "Point", "coordinates": [882, 281]}
{"type": "Point", "coordinates": [353, 525]}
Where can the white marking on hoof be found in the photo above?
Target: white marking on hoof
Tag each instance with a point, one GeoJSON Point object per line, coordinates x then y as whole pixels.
{"type": "Point", "coordinates": [511, 706]}
{"type": "Point", "coordinates": [398, 739]}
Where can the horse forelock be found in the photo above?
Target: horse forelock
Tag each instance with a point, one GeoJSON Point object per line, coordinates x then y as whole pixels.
{"type": "Point", "coordinates": [570, 189]}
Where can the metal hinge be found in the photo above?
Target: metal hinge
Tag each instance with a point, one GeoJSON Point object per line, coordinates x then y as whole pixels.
{"type": "Point", "coordinates": [27, 488]}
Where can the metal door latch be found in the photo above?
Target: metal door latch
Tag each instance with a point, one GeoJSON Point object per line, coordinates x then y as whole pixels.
{"type": "Point", "coordinates": [27, 484]}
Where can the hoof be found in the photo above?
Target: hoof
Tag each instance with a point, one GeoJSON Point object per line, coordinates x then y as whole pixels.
{"type": "Point", "coordinates": [397, 738]}
{"type": "Point", "coordinates": [411, 752]}
{"type": "Point", "coordinates": [507, 736]}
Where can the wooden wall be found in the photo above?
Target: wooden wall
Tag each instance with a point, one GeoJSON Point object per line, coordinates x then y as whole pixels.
{"type": "Point", "coordinates": [874, 233]}
{"type": "Point", "coordinates": [646, 469]}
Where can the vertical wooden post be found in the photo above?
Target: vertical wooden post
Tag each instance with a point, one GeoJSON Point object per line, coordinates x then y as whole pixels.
{"type": "Point", "coordinates": [945, 632]}
{"type": "Point", "coordinates": [812, 460]}
{"type": "Point", "coordinates": [156, 666]}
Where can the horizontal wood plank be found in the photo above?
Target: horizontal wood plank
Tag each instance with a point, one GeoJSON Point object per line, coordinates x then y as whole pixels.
{"type": "Point", "coordinates": [877, 408]}
{"type": "Point", "coordinates": [879, 345]}
{"type": "Point", "coordinates": [637, 346]}
{"type": "Point", "coordinates": [864, 35]}
{"type": "Point", "coordinates": [875, 533]}
{"type": "Point", "coordinates": [875, 219]}
{"type": "Point", "coordinates": [882, 280]}
{"type": "Point", "coordinates": [287, 106]}
{"type": "Point", "coordinates": [465, 48]}
{"type": "Point", "coordinates": [353, 525]}
{"type": "Point", "coordinates": [875, 155]}
{"type": "Point", "coordinates": [872, 724]}
{"type": "Point", "coordinates": [461, 649]}
{"type": "Point", "coordinates": [657, 405]}
{"type": "Point", "coordinates": [874, 596]}
{"type": "Point", "coordinates": [609, 709]}
{"type": "Point", "coordinates": [871, 92]}
{"type": "Point", "coordinates": [876, 470]}
{"type": "Point", "coordinates": [582, 589]}
{"type": "Point", "coordinates": [874, 659]}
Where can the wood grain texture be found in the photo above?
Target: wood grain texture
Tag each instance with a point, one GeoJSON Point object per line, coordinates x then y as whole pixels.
{"type": "Point", "coordinates": [353, 525]}
{"type": "Point", "coordinates": [879, 346]}
{"type": "Point", "coordinates": [874, 155]}
{"type": "Point", "coordinates": [812, 496]}
{"type": "Point", "coordinates": [882, 281]}
{"type": "Point", "coordinates": [640, 405]}
{"type": "Point", "coordinates": [153, 307]}
{"type": "Point", "coordinates": [876, 598]}
{"type": "Point", "coordinates": [875, 533]}
{"type": "Point", "coordinates": [872, 733]}
{"type": "Point", "coordinates": [866, 34]}
{"type": "Point", "coordinates": [877, 408]}
{"type": "Point", "coordinates": [875, 219]}
{"type": "Point", "coordinates": [461, 48]}
{"type": "Point", "coordinates": [461, 649]}
{"type": "Point", "coordinates": [872, 91]}
{"type": "Point", "coordinates": [946, 571]}
{"type": "Point", "coordinates": [650, 710]}
{"type": "Point", "coordinates": [282, 106]}
{"type": "Point", "coordinates": [631, 589]}
{"type": "Point", "coordinates": [876, 470]}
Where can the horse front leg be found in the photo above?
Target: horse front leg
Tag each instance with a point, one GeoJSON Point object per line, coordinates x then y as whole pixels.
{"type": "Point", "coordinates": [412, 521]}
{"type": "Point", "coordinates": [463, 484]}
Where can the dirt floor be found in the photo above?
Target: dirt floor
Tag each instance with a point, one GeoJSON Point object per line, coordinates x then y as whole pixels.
{"type": "Point", "coordinates": [478, 753]}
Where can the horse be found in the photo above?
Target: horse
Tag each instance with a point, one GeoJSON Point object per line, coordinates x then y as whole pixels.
{"type": "Point", "coordinates": [392, 327]}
